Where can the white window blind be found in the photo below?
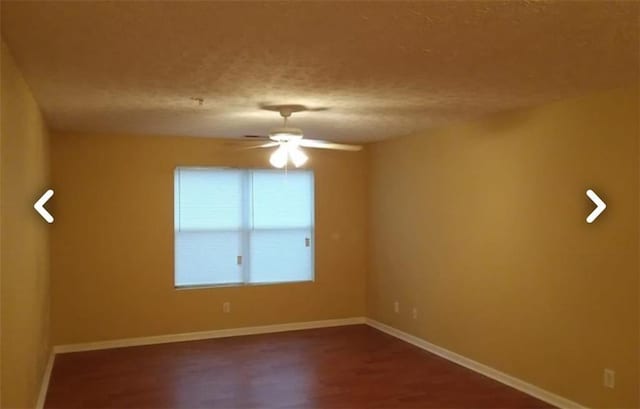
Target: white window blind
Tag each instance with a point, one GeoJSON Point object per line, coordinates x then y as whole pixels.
{"type": "Point", "coordinates": [242, 226]}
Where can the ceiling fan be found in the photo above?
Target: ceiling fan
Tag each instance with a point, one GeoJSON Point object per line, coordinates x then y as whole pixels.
{"type": "Point", "coordinates": [289, 140]}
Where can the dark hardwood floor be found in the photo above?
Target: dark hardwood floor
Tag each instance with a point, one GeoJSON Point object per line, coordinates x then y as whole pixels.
{"type": "Point", "coordinates": [344, 367]}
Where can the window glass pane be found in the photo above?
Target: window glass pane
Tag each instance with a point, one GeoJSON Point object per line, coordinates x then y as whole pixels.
{"type": "Point", "coordinates": [280, 255]}
{"type": "Point", "coordinates": [208, 199]}
{"type": "Point", "coordinates": [282, 200]}
{"type": "Point", "coordinates": [207, 258]}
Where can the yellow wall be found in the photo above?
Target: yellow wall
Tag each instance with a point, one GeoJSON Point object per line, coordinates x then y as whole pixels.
{"type": "Point", "coordinates": [24, 247]}
{"type": "Point", "coordinates": [482, 228]}
{"type": "Point", "coordinates": [112, 242]}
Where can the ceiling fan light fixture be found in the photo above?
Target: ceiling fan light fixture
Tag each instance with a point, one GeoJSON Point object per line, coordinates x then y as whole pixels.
{"type": "Point", "coordinates": [289, 140]}
{"type": "Point", "coordinates": [298, 157]}
{"type": "Point", "coordinates": [279, 157]}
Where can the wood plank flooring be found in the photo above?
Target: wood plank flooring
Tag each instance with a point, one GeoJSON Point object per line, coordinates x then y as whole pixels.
{"type": "Point", "coordinates": [344, 367]}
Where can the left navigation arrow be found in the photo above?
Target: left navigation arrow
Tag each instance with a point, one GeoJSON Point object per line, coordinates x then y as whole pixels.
{"type": "Point", "coordinates": [39, 206]}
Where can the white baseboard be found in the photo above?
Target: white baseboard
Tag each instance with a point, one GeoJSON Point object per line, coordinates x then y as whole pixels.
{"type": "Point", "coordinates": [485, 370]}
{"type": "Point", "coordinates": [194, 336]}
{"type": "Point", "coordinates": [44, 385]}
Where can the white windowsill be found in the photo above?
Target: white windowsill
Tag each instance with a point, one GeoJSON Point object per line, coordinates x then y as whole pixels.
{"type": "Point", "coordinates": [205, 286]}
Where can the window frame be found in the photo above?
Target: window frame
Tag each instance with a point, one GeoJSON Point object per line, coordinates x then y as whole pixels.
{"type": "Point", "coordinates": [246, 232]}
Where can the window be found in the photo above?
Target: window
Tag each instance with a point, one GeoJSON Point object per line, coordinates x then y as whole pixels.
{"type": "Point", "coordinates": [242, 226]}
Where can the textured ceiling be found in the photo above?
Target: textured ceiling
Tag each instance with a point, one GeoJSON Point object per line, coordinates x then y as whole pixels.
{"type": "Point", "coordinates": [383, 69]}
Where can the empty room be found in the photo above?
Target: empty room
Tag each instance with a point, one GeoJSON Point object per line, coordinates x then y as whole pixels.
{"type": "Point", "coordinates": [320, 204]}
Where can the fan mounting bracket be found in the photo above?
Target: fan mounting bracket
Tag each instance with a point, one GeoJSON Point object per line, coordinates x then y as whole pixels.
{"type": "Point", "coordinates": [285, 110]}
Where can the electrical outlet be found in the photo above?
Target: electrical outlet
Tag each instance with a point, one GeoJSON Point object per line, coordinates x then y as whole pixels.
{"type": "Point", "coordinates": [609, 378]}
{"type": "Point", "coordinates": [226, 307]}
{"type": "Point", "coordinates": [414, 313]}
{"type": "Point", "coordinates": [396, 307]}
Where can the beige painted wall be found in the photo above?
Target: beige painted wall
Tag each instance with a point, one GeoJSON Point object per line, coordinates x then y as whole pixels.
{"type": "Point", "coordinates": [112, 242]}
{"type": "Point", "coordinates": [24, 247]}
{"type": "Point", "coordinates": [482, 228]}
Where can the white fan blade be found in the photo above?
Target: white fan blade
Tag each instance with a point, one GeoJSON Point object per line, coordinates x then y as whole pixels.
{"type": "Point", "coordinates": [264, 145]}
{"type": "Point", "coordinates": [315, 143]}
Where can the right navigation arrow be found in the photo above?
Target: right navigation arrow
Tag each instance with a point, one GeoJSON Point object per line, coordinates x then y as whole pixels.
{"type": "Point", "coordinates": [600, 206]}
